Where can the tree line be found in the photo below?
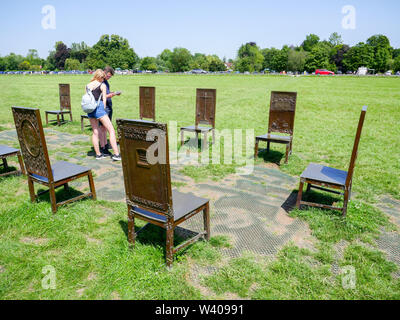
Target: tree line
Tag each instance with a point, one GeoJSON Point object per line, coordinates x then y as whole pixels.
{"type": "Point", "coordinates": [113, 50]}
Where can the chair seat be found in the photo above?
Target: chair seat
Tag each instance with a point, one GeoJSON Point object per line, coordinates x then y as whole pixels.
{"type": "Point", "coordinates": [58, 111]}
{"type": "Point", "coordinates": [325, 174]}
{"type": "Point", "coordinates": [85, 116]}
{"type": "Point", "coordinates": [197, 129]}
{"type": "Point", "coordinates": [183, 204]}
{"type": "Point", "coordinates": [63, 170]}
{"type": "Point", "coordinates": [5, 151]}
{"type": "Point", "coordinates": [272, 137]}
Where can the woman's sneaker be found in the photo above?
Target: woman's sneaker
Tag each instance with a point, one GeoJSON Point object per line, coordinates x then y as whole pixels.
{"type": "Point", "coordinates": [116, 157]}
{"type": "Point", "coordinates": [105, 152]}
{"type": "Point", "coordinates": [102, 156]}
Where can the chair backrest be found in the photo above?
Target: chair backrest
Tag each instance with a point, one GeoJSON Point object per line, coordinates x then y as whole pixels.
{"type": "Point", "coordinates": [355, 147]}
{"type": "Point", "coordinates": [205, 106]}
{"type": "Point", "coordinates": [65, 97]}
{"type": "Point", "coordinates": [282, 112]}
{"type": "Point", "coordinates": [147, 102]}
{"type": "Point", "coordinates": [147, 182]}
{"type": "Point", "coordinates": [32, 142]}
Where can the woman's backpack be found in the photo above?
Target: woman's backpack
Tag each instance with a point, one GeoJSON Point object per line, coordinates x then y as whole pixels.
{"type": "Point", "coordinates": [89, 103]}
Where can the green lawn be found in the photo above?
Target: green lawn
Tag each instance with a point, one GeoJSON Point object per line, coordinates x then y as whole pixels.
{"type": "Point", "coordinates": [86, 241]}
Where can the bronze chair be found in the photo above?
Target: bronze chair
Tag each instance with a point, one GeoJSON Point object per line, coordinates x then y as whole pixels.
{"type": "Point", "coordinates": [37, 163]}
{"type": "Point", "coordinates": [83, 117]}
{"type": "Point", "coordinates": [65, 105]}
{"type": "Point", "coordinates": [205, 114]}
{"type": "Point", "coordinates": [6, 152]}
{"type": "Point", "coordinates": [148, 184]}
{"type": "Point", "coordinates": [281, 119]}
{"type": "Point", "coordinates": [320, 177]}
{"type": "Point", "coordinates": [147, 103]}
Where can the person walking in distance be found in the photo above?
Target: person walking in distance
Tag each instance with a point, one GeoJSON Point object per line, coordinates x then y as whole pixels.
{"type": "Point", "coordinates": [99, 90]}
{"type": "Point", "coordinates": [109, 72]}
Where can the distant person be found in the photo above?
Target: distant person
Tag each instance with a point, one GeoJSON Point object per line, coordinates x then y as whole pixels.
{"type": "Point", "coordinates": [109, 72]}
{"type": "Point", "coordinates": [99, 88]}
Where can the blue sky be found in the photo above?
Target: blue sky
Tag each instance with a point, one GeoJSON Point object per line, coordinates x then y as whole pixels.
{"type": "Point", "coordinates": [211, 27]}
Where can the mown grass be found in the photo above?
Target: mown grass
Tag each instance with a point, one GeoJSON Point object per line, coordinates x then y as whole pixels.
{"type": "Point", "coordinates": [87, 244]}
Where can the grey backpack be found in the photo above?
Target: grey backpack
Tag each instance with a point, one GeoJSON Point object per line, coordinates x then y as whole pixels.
{"type": "Point", "coordinates": [89, 103]}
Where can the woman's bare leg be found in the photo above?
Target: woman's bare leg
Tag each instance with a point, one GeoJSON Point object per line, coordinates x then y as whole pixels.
{"type": "Point", "coordinates": [102, 136]}
{"type": "Point", "coordinates": [109, 127]}
{"type": "Point", "coordinates": [95, 137]}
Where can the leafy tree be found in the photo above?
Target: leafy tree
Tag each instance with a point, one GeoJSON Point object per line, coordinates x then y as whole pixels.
{"type": "Point", "coordinates": [361, 55]}
{"type": "Point", "coordinates": [113, 51]}
{"type": "Point", "coordinates": [12, 61]}
{"type": "Point", "coordinates": [148, 63]}
{"type": "Point", "coordinates": [396, 53]}
{"type": "Point", "coordinates": [297, 60]}
{"type": "Point", "coordinates": [310, 42]}
{"type": "Point", "coordinates": [24, 65]}
{"type": "Point", "coordinates": [180, 60]}
{"type": "Point", "coordinates": [33, 57]}
{"type": "Point", "coordinates": [215, 63]}
{"type": "Point", "coordinates": [72, 64]}
{"type": "Point", "coordinates": [50, 63]}
{"type": "Point", "coordinates": [250, 58]}
{"type": "Point", "coordinates": [382, 54]}
{"type": "Point", "coordinates": [396, 64]}
{"type": "Point", "coordinates": [335, 39]}
{"type": "Point", "coordinates": [338, 56]}
{"type": "Point", "coordinates": [79, 51]}
{"type": "Point", "coordinates": [319, 58]}
{"type": "Point", "coordinates": [62, 54]}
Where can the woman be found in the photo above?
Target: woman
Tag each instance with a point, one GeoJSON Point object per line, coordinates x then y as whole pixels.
{"type": "Point", "coordinates": [98, 89]}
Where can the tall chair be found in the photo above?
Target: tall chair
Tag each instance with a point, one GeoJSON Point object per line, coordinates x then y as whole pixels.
{"type": "Point", "coordinates": [321, 177]}
{"type": "Point", "coordinates": [147, 103]}
{"type": "Point", "coordinates": [148, 184]}
{"type": "Point", "coordinates": [65, 105]}
{"type": "Point", "coordinates": [37, 163]}
{"type": "Point", "coordinates": [205, 115]}
{"type": "Point", "coordinates": [281, 119]}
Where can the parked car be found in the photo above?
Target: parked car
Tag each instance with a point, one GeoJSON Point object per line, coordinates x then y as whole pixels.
{"type": "Point", "coordinates": [324, 72]}
{"type": "Point", "coordinates": [398, 73]}
{"type": "Point", "coordinates": [198, 71]}
{"type": "Point", "coordinates": [388, 73]}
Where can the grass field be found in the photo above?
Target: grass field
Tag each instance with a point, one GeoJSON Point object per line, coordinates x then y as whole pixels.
{"type": "Point", "coordinates": [94, 259]}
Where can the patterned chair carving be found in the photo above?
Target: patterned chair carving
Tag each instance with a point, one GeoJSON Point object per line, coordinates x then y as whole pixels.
{"type": "Point", "coordinates": [37, 163]}
{"type": "Point", "coordinates": [205, 115]}
{"type": "Point", "coordinates": [148, 184]}
{"type": "Point", "coordinates": [281, 119]}
{"type": "Point", "coordinates": [320, 177]}
{"type": "Point", "coordinates": [65, 105]}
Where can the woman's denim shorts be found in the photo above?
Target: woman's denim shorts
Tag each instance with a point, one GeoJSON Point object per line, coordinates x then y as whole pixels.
{"type": "Point", "coordinates": [99, 112]}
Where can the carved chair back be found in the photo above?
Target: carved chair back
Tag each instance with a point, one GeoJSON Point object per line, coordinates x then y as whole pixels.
{"type": "Point", "coordinates": [205, 106]}
{"type": "Point", "coordinates": [145, 163]}
{"type": "Point", "coordinates": [65, 97]}
{"type": "Point", "coordinates": [282, 112]}
{"type": "Point", "coordinates": [147, 102]}
{"type": "Point", "coordinates": [32, 142]}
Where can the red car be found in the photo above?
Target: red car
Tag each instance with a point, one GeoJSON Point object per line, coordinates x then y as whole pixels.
{"type": "Point", "coordinates": [324, 72]}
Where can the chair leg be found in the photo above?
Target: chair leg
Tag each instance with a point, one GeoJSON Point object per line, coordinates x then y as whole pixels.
{"type": "Point", "coordinates": [53, 199]}
{"type": "Point", "coordinates": [170, 244]}
{"type": "Point", "coordinates": [308, 187]}
{"type": "Point", "coordinates": [300, 194]}
{"type": "Point", "coordinates": [256, 149]}
{"type": "Point", "coordinates": [206, 217]}
{"type": "Point", "coordinates": [5, 164]}
{"type": "Point", "coordinates": [345, 202]}
{"type": "Point", "coordinates": [58, 119]}
{"type": "Point", "coordinates": [91, 185]}
{"type": "Point", "coordinates": [70, 116]}
{"type": "Point", "coordinates": [62, 117]}
{"type": "Point", "coordinates": [47, 119]}
{"type": "Point", "coordinates": [82, 124]}
{"type": "Point", "coordinates": [21, 164]}
{"type": "Point", "coordinates": [131, 226]}
{"type": "Point", "coordinates": [197, 139]}
{"type": "Point", "coordinates": [268, 146]}
{"type": "Point", "coordinates": [182, 137]}
{"type": "Point", "coordinates": [205, 142]}
{"type": "Point", "coordinates": [287, 154]}
{"type": "Point", "coordinates": [31, 190]}
{"type": "Point", "coordinates": [66, 187]}
{"type": "Point", "coordinates": [213, 136]}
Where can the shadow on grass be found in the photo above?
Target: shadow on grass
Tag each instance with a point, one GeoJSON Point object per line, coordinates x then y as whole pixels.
{"type": "Point", "coordinates": [62, 194]}
{"type": "Point", "coordinates": [156, 236]}
{"type": "Point", "coordinates": [271, 156]}
{"type": "Point", "coordinates": [10, 171]}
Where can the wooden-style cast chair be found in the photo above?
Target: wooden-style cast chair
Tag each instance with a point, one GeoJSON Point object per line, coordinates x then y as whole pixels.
{"type": "Point", "coordinates": [148, 184]}
{"type": "Point", "coordinates": [37, 163]}
{"type": "Point", "coordinates": [6, 152]}
{"type": "Point", "coordinates": [206, 100]}
{"type": "Point", "coordinates": [281, 120]}
{"type": "Point", "coordinates": [147, 103]}
{"type": "Point", "coordinates": [65, 105]}
{"type": "Point", "coordinates": [320, 177]}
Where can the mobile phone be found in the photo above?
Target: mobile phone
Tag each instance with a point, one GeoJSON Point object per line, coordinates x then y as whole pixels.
{"type": "Point", "coordinates": [118, 93]}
